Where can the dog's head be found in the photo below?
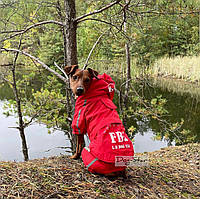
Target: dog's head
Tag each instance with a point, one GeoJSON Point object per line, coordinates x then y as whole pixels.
{"type": "Point", "coordinates": [80, 80]}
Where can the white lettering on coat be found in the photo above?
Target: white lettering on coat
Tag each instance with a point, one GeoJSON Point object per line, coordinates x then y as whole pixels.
{"type": "Point", "coordinates": [117, 137]}
{"type": "Point", "coordinates": [113, 137]}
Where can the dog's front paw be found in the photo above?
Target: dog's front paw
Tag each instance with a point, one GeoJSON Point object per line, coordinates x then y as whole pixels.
{"type": "Point", "coordinates": [75, 156]}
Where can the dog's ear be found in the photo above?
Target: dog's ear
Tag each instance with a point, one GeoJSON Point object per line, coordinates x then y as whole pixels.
{"type": "Point", "coordinates": [69, 70]}
{"type": "Point", "coordinates": [93, 73]}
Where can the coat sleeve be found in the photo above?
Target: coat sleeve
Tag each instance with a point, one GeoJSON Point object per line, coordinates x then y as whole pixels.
{"type": "Point", "coordinates": [79, 122]}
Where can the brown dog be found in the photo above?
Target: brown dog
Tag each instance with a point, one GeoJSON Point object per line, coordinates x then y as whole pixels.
{"type": "Point", "coordinates": [80, 81]}
{"type": "Point", "coordinates": [96, 115]}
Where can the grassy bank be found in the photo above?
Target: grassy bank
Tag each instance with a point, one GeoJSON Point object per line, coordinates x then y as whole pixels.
{"type": "Point", "coordinates": [115, 67]}
{"type": "Point", "coordinates": [187, 68]}
{"type": "Point", "coordinates": [3, 59]}
{"type": "Point", "coordinates": [173, 172]}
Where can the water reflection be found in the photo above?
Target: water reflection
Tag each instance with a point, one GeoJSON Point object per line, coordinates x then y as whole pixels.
{"type": "Point", "coordinates": [183, 101]}
{"type": "Point", "coordinates": [147, 143]}
{"type": "Point", "coordinates": [40, 143]}
{"type": "Point", "coordinates": [179, 87]}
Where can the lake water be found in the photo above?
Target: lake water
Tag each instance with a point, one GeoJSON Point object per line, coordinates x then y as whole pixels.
{"type": "Point", "coordinates": [41, 144]}
{"type": "Point", "coordinates": [183, 101]}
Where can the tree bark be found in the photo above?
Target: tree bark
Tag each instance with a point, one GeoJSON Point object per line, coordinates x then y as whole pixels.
{"type": "Point", "coordinates": [19, 108]}
{"type": "Point", "coordinates": [70, 47]}
{"type": "Point", "coordinates": [70, 33]}
{"type": "Point", "coordinates": [128, 65]}
{"type": "Point", "coordinates": [127, 49]}
{"type": "Point", "coordinates": [20, 117]}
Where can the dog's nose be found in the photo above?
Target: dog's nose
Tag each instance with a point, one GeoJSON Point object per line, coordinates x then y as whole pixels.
{"type": "Point", "coordinates": [79, 91]}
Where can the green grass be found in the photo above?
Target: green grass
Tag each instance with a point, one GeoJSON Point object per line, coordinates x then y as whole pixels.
{"type": "Point", "coordinates": [186, 68]}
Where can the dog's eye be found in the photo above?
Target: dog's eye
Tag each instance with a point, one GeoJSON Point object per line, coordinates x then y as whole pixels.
{"type": "Point", "coordinates": [75, 77]}
{"type": "Point", "coordinates": [87, 80]}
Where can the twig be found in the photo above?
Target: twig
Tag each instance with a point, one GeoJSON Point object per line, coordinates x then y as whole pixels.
{"type": "Point", "coordinates": [108, 23]}
{"type": "Point", "coordinates": [78, 19]}
{"type": "Point", "coordinates": [60, 147]}
{"type": "Point", "coordinates": [5, 79]}
{"type": "Point", "coordinates": [35, 115]}
{"type": "Point", "coordinates": [97, 41]}
{"type": "Point", "coordinates": [102, 21]}
{"type": "Point", "coordinates": [61, 70]}
{"type": "Point", "coordinates": [30, 27]}
{"type": "Point", "coordinates": [164, 13]}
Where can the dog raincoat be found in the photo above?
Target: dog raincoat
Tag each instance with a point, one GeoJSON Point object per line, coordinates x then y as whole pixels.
{"type": "Point", "coordinates": [96, 115]}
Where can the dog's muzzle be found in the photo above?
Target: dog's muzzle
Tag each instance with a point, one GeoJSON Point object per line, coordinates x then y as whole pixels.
{"type": "Point", "coordinates": [79, 91]}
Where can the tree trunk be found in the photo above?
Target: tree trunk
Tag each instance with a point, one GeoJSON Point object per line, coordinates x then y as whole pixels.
{"type": "Point", "coordinates": [128, 65]}
{"type": "Point", "coordinates": [20, 117]}
{"type": "Point", "coordinates": [24, 145]}
{"type": "Point", "coordinates": [70, 33]}
{"type": "Point", "coordinates": [127, 49]}
{"type": "Point", "coordinates": [70, 49]}
{"type": "Point", "coordinates": [128, 69]}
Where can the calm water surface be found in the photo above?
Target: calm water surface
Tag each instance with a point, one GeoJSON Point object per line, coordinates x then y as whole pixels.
{"type": "Point", "coordinates": [183, 101]}
{"type": "Point", "coordinates": [40, 143]}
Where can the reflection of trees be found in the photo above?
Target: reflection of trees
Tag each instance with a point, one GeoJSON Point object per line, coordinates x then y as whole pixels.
{"type": "Point", "coordinates": [5, 92]}
{"type": "Point", "coordinates": [179, 105]}
{"type": "Point", "coordinates": [180, 122]}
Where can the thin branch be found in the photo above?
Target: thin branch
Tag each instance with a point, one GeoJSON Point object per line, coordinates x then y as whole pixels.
{"type": "Point", "coordinates": [108, 23]}
{"type": "Point", "coordinates": [164, 13]}
{"type": "Point", "coordinates": [95, 44]}
{"type": "Point", "coordinates": [102, 21]}
{"type": "Point", "coordinates": [11, 31]}
{"type": "Point", "coordinates": [5, 79]}
{"type": "Point", "coordinates": [35, 115]}
{"type": "Point", "coordinates": [78, 19]}
{"type": "Point", "coordinates": [38, 61]}
{"type": "Point", "coordinates": [19, 32]}
{"type": "Point", "coordinates": [13, 127]}
{"type": "Point", "coordinates": [61, 70]}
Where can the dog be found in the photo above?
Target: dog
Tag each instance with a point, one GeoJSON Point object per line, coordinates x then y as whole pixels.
{"type": "Point", "coordinates": [96, 115]}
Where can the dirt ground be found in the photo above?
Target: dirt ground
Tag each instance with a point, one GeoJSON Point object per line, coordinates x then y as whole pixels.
{"type": "Point", "coordinates": [173, 172]}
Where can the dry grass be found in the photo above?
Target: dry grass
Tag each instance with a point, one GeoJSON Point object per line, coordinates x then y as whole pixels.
{"type": "Point", "coordinates": [173, 172]}
{"type": "Point", "coordinates": [3, 59]}
{"type": "Point", "coordinates": [187, 68]}
{"type": "Point", "coordinates": [115, 68]}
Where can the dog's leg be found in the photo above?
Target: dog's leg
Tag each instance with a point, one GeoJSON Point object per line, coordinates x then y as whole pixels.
{"type": "Point", "coordinates": [79, 147]}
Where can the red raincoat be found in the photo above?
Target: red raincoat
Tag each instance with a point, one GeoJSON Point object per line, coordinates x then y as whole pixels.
{"type": "Point", "coordinates": [96, 115]}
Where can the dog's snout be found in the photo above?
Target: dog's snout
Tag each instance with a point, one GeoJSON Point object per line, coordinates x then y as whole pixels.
{"type": "Point", "coordinates": [79, 91]}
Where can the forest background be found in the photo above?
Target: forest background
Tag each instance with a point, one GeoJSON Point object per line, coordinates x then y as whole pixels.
{"type": "Point", "coordinates": [123, 38]}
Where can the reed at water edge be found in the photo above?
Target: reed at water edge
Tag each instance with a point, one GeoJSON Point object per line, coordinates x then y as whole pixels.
{"type": "Point", "coordinates": [185, 68]}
